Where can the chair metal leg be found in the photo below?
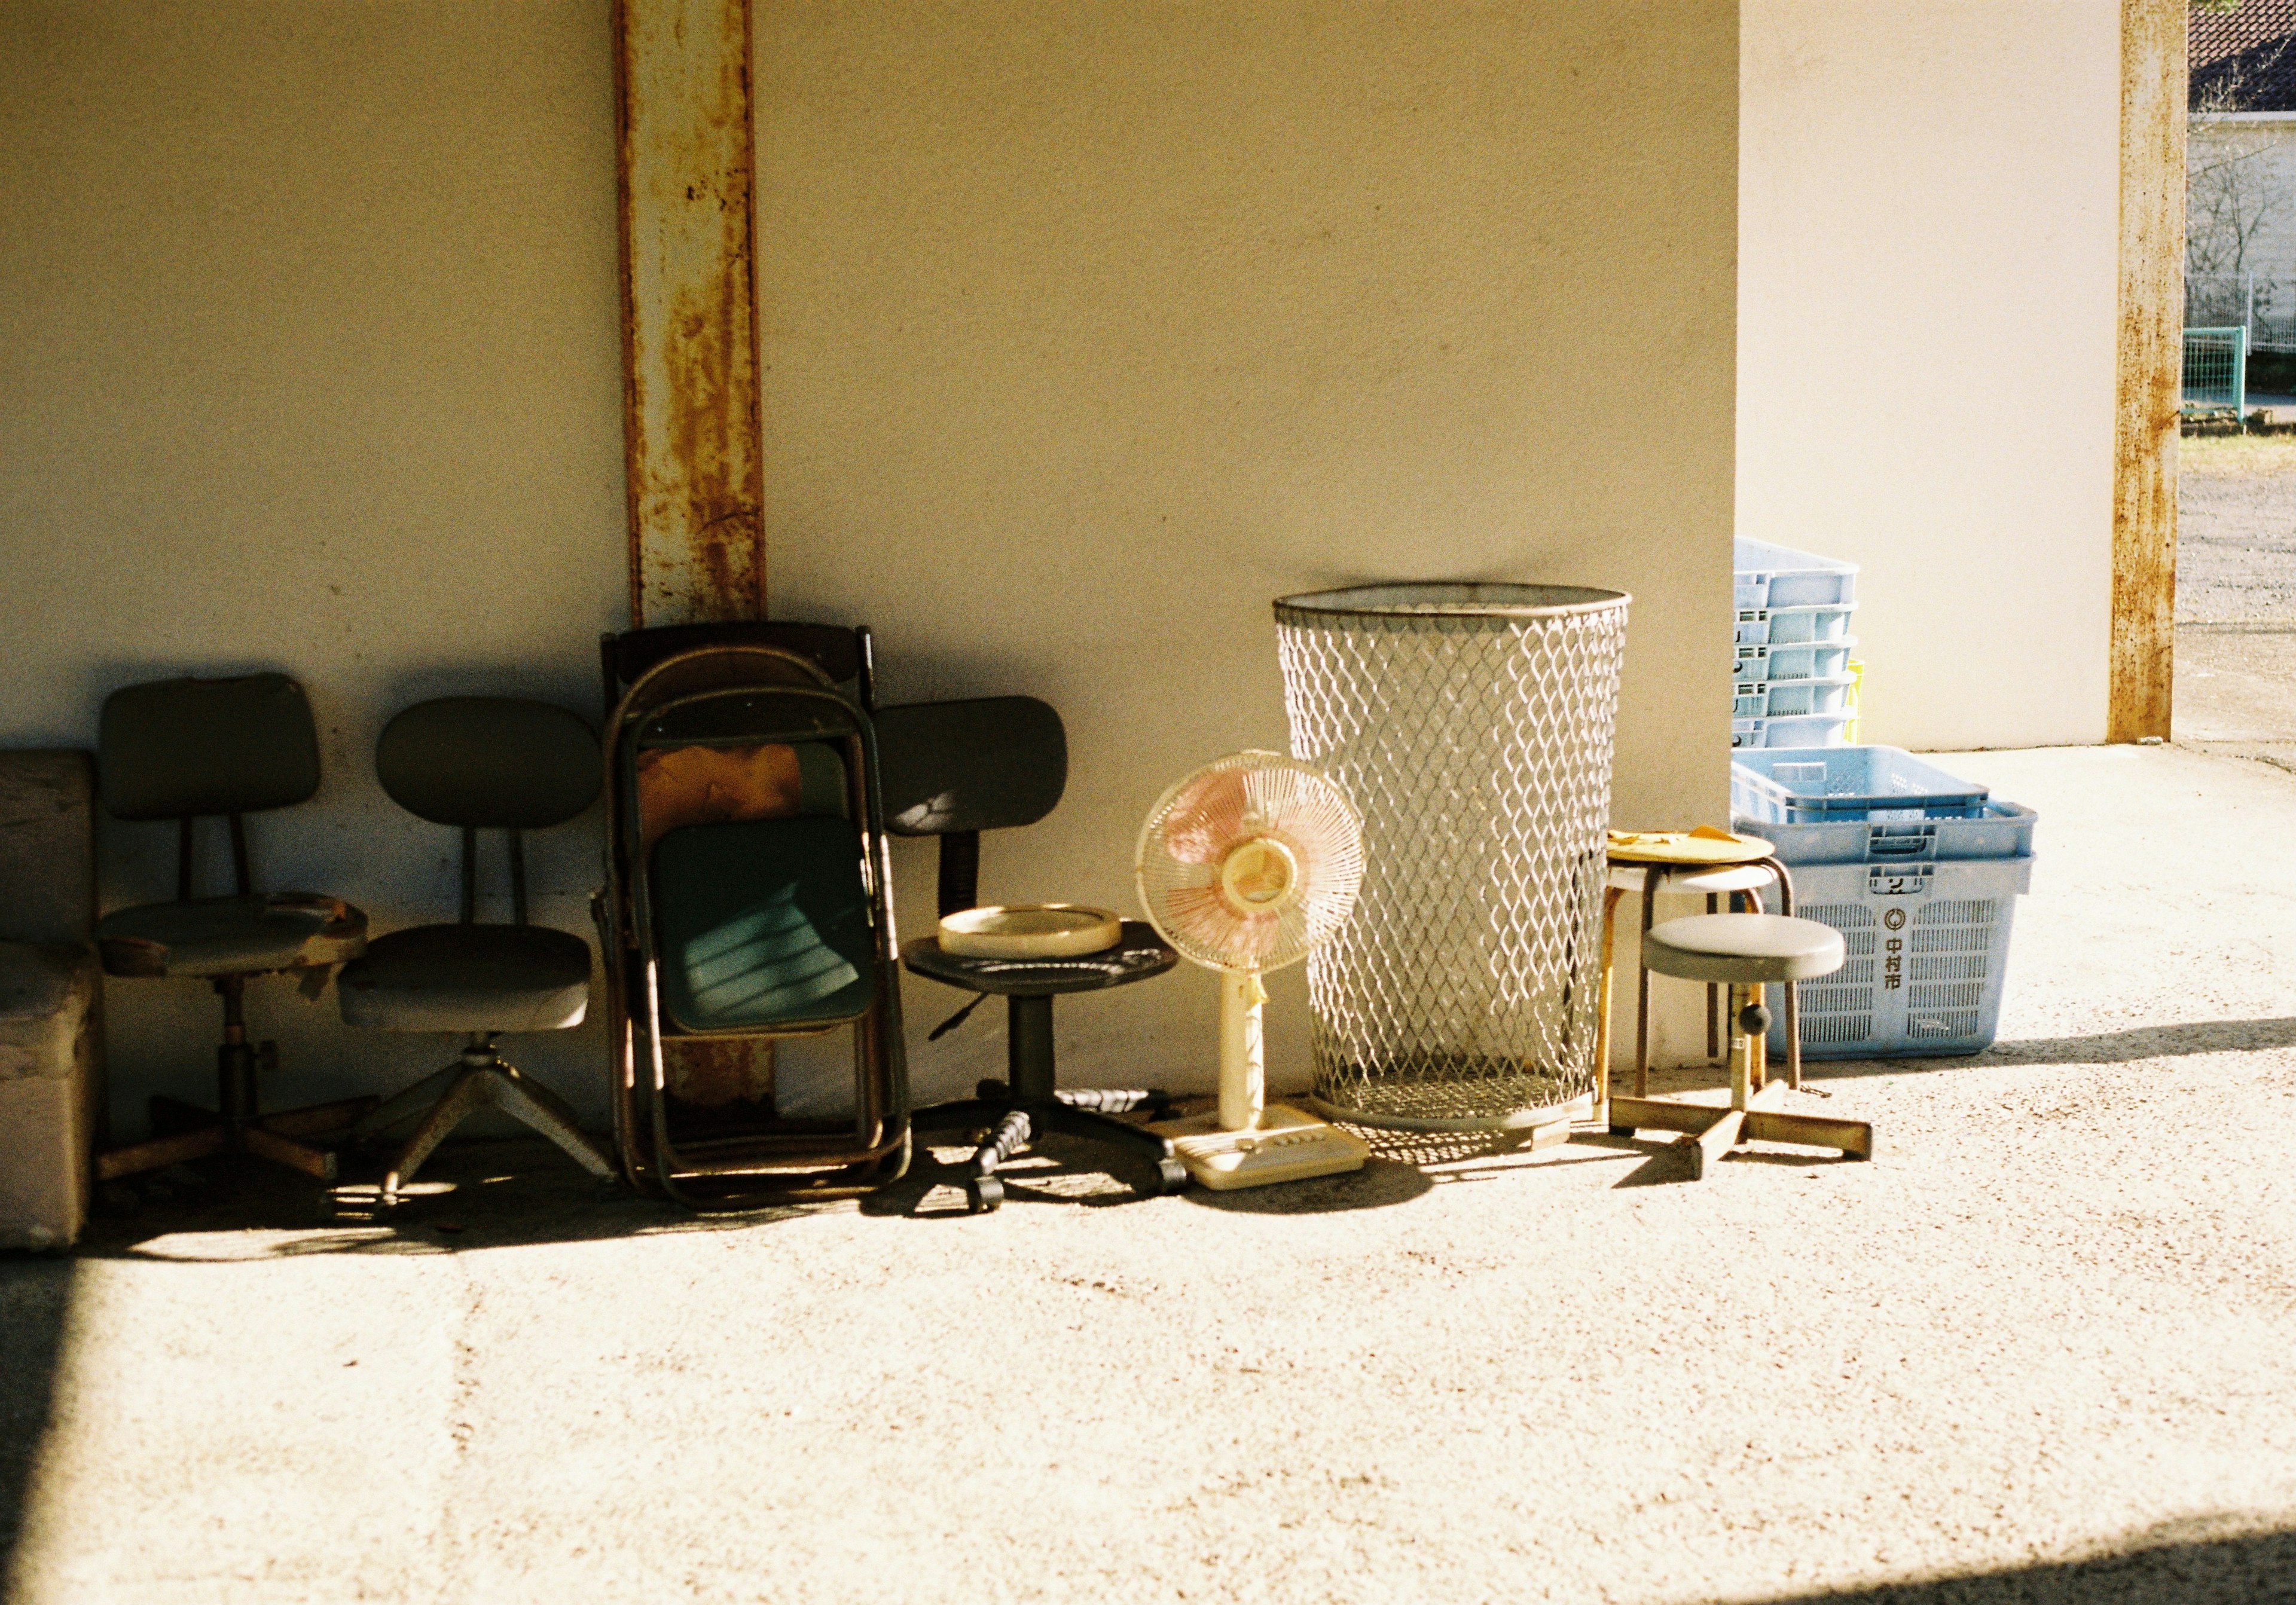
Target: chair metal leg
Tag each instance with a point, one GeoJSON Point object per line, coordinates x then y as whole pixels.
{"type": "Point", "coordinates": [318, 1163]}
{"type": "Point", "coordinates": [542, 1111]}
{"type": "Point", "coordinates": [158, 1152]}
{"type": "Point", "coordinates": [405, 1105]}
{"type": "Point", "coordinates": [484, 1081]}
{"type": "Point", "coordinates": [1010, 1137]}
{"type": "Point", "coordinates": [464, 1099]}
{"type": "Point", "coordinates": [965, 1114]}
{"type": "Point", "coordinates": [1096, 1128]}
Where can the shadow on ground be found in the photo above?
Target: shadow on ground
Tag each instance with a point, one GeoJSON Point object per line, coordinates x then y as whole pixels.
{"type": "Point", "coordinates": [491, 1193]}
{"type": "Point", "coordinates": [2104, 1047]}
{"type": "Point", "coordinates": [35, 1295]}
{"type": "Point", "coordinates": [2157, 1568]}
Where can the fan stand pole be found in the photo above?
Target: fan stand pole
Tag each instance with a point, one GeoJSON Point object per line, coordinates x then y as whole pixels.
{"type": "Point", "coordinates": [1251, 1143]}
{"type": "Point", "coordinates": [1244, 1059]}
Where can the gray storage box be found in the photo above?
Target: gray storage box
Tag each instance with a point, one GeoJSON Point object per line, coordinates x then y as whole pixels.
{"type": "Point", "coordinates": [52, 1093]}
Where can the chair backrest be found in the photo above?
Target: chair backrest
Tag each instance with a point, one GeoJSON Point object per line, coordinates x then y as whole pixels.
{"type": "Point", "coordinates": [842, 652]}
{"type": "Point", "coordinates": [181, 748]}
{"type": "Point", "coordinates": [489, 763]}
{"type": "Point", "coordinates": [956, 769]}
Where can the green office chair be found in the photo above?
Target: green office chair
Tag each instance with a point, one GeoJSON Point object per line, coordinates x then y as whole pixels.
{"type": "Point", "coordinates": [181, 750]}
{"type": "Point", "coordinates": [479, 763]}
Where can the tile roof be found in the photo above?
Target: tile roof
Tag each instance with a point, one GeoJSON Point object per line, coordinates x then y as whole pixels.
{"type": "Point", "coordinates": [2244, 59]}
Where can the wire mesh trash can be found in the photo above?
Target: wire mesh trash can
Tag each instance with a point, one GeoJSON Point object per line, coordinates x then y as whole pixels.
{"type": "Point", "coordinates": [1472, 725]}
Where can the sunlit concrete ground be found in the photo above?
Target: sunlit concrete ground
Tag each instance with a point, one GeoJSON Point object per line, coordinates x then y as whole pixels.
{"type": "Point", "coordinates": [2040, 1347]}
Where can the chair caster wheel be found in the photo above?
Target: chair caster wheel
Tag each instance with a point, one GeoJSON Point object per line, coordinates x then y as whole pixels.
{"type": "Point", "coordinates": [1171, 1176]}
{"type": "Point", "coordinates": [983, 1194]}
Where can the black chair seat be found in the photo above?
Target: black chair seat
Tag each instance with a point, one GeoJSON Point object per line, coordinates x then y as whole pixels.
{"type": "Point", "coordinates": [1139, 954]}
{"type": "Point", "coordinates": [469, 978]}
{"type": "Point", "coordinates": [230, 935]}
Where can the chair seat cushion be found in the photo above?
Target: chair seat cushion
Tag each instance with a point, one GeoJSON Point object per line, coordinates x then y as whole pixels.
{"type": "Point", "coordinates": [1743, 948]}
{"type": "Point", "coordinates": [764, 925]}
{"type": "Point", "coordinates": [469, 978]}
{"type": "Point", "coordinates": [231, 936]}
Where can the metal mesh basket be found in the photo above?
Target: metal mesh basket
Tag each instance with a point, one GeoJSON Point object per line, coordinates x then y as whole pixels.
{"type": "Point", "coordinates": [1472, 725]}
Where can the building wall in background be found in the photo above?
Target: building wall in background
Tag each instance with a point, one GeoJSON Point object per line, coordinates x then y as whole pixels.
{"type": "Point", "coordinates": [309, 360]}
{"type": "Point", "coordinates": [1928, 246]}
{"type": "Point", "coordinates": [1091, 328]}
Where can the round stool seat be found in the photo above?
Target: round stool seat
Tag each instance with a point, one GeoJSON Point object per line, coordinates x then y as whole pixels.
{"type": "Point", "coordinates": [1743, 949]}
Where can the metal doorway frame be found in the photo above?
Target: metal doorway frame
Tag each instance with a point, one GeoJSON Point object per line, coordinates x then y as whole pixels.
{"type": "Point", "coordinates": [2148, 348]}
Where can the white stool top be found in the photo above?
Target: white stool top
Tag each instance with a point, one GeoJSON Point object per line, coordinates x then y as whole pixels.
{"type": "Point", "coordinates": [1742, 948]}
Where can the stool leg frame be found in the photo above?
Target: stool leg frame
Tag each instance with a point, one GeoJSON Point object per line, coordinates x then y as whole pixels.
{"type": "Point", "coordinates": [1706, 1133]}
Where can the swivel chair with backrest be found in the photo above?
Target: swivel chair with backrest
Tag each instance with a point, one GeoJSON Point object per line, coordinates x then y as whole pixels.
{"type": "Point", "coordinates": [953, 769]}
{"type": "Point", "coordinates": [181, 750]}
{"type": "Point", "coordinates": [480, 764]}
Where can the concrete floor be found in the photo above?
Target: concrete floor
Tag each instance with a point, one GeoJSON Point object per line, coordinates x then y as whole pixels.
{"type": "Point", "coordinates": [2038, 1349]}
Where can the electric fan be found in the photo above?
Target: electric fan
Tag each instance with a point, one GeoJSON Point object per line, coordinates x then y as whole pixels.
{"type": "Point", "coordinates": [1243, 866]}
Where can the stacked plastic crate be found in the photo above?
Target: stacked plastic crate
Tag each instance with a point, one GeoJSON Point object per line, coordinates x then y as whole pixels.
{"type": "Point", "coordinates": [1918, 871]}
{"type": "Point", "coordinates": [1790, 682]}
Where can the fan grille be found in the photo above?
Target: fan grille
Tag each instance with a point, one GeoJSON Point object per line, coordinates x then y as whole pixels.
{"type": "Point", "coordinates": [1478, 748]}
{"type": "Point", "coordinates": [1223, 805]}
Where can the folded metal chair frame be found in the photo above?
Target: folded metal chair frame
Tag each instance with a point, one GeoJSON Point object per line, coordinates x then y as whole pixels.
{"type": "Point", "coordinates": [732, 695]}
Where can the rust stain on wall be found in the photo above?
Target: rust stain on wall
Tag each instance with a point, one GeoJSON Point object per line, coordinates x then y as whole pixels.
{"type": "Point", "coordinates": [689, 311]}
{"type": "Point", "coordinates": [2148, 377]}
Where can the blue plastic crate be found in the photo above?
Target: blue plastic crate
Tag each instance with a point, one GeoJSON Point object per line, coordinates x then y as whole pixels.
{"type": "Point", "coordinates": [1928, 957]}
{"type": "Point", "coordinates": [1779, 577]}
{"type": "Point", "coordinates": [1862, 781]}
{"type": "Point", "coordinates": [1788, 627]}
{"type": "Point", "coordinates": [1815, 730]}
{"type": "Point", "coordinates": [1990, 830]}
{"type": "Point", "coordinates": [1790, 698]}
{"type": "Point", "coordinates": [1801, 660]}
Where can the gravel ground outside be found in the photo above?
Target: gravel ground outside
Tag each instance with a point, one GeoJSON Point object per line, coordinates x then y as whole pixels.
{"type": "Point", "coordinates": [2236, 529]}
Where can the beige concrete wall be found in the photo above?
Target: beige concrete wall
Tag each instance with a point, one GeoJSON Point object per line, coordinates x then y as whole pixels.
{"type": "Point", "coordinates": [1928, 238]}
{"type": "Point", "coordinates": [1090, 328]}
{"type": "Point", "coordinates": [308, 359]}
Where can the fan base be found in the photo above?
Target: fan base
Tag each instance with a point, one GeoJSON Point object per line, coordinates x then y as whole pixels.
{"type": "Point", "coordinates": [1288, 1146]}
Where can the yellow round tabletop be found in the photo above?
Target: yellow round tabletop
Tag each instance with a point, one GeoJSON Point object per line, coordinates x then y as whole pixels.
{"type": "Point", "coordinates": [1705, 845]}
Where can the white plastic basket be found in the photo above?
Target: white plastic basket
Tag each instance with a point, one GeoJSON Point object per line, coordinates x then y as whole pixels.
{"type": "Point", "coordinates": [1799, 660]}
{"type": "Point", "coordinates": [1790, 698]}
{"type": "Point", "coordinates": [1814, 729]}
{"type": "Point", "coordinates": [1779, 577]}
{"type": "Point", "coordinates": [1785, 626]}
{"type": "Point", "coordinates": [1928, 953]}
{"type": "Point", "coordinates": [1864, 782]}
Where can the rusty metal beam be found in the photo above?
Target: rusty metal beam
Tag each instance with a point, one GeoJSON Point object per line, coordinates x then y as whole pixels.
{"type": "Point", "coordinates": [2148, 368]}
{"type": "Point", "coordinates": [690, 367]}
{"type": "Point", "coordinates": [689, 311]}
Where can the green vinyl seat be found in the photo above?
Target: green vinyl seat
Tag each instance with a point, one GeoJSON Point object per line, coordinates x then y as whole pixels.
{"type": "Point", "coordinates": [764, 922]}
{"type": "Point", "coordinates": [253, 935]}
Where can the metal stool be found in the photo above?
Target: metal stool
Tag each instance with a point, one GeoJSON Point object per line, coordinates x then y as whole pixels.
{"type": "Point", "coordinates": [1746, 952]}
{"type": "Point", "coordinates": [1721, 865]}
